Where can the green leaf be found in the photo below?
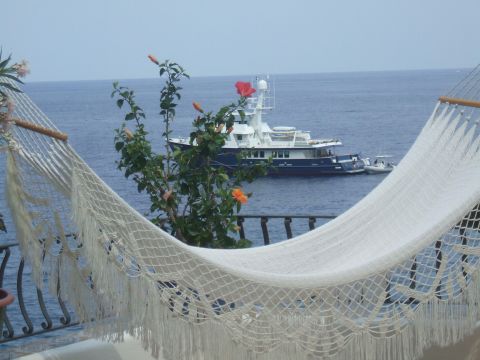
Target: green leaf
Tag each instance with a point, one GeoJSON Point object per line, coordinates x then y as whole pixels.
{"type": "Point", "coordinates": [141, 162]}
{"type": "Point", "coordinates": [10, 87]}
{"type": "Point", "coordinates": [4, 63]}
{"type": "Point", "coordinates": [12, 77]}
{"type": "Point", "coordinates": [119, 145]}
{"type": "Point", "coordinates": [242, 114]}
{"type": "Point", "coordinates": [130, 116]}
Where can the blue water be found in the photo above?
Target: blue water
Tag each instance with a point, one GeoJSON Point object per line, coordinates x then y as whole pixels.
{"type": "Point", "coordinates": [371, 112]}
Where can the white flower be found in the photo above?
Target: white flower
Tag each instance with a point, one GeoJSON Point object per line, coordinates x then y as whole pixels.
{"type": "Point", "coordinates": [22, 68]}
{"type": "Point", "coordinates": [10, 104]}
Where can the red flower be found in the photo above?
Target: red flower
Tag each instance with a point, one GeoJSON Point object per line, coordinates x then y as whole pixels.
{"type": "Point", "coordinates": [153, 59]}
{"type": "Point", "coordinates": [197, 107]}
{"type": "Point", "coordinates": [244, 89]}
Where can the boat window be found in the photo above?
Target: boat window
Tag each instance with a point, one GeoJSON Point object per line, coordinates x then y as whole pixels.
{"type": "Point", "coordinates": [255, 154]}
{"type": "Point", "coordinates": [280, 154]}
{"type": "Point", "coordinates": [239, 137]}
{"type": "Point", "coordinates": [274, 154]}
{"type": "Point", "coordinates": [287, 153]}
{"type": "Point", "coordinates": [322, 152]}
{"type": "Point", "coordinates": [262, 154]}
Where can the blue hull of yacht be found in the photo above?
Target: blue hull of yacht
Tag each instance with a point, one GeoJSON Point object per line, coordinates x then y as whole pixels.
{"type": "Point", "coordinates": [328, 165]}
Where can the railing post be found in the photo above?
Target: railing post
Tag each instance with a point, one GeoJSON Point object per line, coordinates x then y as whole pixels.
{"type": "Point", "coordinates": [263, 223]}
{"type": "Point", "coordinates": [47, 324]}
{"type": "Point", "coordinates": [438, 263]}
{"type": "Point", "coordinates": [240, 221]}
{"type": "Point", "coordinates": [464, 256]}
{"type": "Point", "coordinates": [288, 228]}
{"type": "Point", "coordinates": [3, 265]}
{"type": "Point", "coordinates": [413, 279]}
{"type": "Point", "coordinates": [28, 329]}
{"type": "Point", "coordinates": [388, 296]}
{"type": "Point", "coordinates": [311, 223]}
{"type": "Point", "coordinates": [8, 332]}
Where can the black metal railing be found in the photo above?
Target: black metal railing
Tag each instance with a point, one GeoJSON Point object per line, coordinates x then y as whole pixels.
{"type": "Point", "coordinates": [35, 313]}
{"type": "Point", "coordinates": [304, 223]}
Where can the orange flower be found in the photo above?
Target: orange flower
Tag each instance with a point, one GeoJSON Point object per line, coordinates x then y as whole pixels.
{"type": "Point", "coordinates": [219, 128]}
{"type": "Point", "coordinates": [239, 196]}
{"type": "Point", "coordinates": [237, 192]}
{"type": "Point", "coordinates": [153, 59]}
{"type": "Point", "coordinates": [197, 107]}
{"type": "Point", "coordinates": [230, 129]}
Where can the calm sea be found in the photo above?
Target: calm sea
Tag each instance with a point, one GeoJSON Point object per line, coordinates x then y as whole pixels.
{"type": "Point", "coordinates": [371, 112]}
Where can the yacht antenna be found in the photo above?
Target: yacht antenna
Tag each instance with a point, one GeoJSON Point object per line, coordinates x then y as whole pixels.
{"type": "Point", "coordinates": [274, 96]}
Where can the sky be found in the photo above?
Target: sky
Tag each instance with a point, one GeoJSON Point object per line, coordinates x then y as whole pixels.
{"type": "Point", "coordinates": [110, 39]}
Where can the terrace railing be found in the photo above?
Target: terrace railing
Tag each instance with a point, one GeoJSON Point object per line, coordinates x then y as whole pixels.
{"type": "Point", "coordinates": [32, 312]}
{"type": "Point", "coordinates": [35, 313]}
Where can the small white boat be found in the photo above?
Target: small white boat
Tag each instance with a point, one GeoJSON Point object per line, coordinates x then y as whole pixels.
{"type": "Point", "coordinates": [381, 165]}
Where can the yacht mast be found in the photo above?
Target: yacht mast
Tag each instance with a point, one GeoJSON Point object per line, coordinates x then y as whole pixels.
{"type": "Point", "coordinates": [257, 123]}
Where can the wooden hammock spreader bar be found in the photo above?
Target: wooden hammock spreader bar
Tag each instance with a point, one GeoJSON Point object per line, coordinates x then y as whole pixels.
{"type": "Point", "coordinates": [40, 129]}
{"type": "Point", "coordinates": [458, 101]}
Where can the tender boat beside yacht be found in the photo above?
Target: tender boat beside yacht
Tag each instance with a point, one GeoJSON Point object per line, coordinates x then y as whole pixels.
{"type": "Point", "coordinates": [293, 152]}
{"type": "Point", "coordinates": [380, 166]}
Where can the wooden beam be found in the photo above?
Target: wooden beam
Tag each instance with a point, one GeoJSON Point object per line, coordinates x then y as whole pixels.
{"type": "Point", "coordinates": [40, 129]}
{"type": "Point", "coordinates": [458, 101]}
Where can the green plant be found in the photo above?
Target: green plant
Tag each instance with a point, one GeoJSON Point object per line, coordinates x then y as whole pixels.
{"type": "Point", "coordinates": [8, 74]}
{"type": "Point", "coordinates": [190, 197]}
{"type": "Point", "coordinates": [12, 72]}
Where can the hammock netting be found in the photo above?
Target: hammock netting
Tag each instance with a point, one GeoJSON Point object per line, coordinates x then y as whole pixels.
{"type": "Point", "coordinates": [393, 275]}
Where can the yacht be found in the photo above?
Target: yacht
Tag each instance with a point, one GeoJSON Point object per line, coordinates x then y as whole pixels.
{"type": "Point", "coordinates": [292, 151]}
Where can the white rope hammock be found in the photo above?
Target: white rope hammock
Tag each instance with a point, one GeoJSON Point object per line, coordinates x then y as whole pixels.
{"type": "Point", "coordinates": [393, 275]}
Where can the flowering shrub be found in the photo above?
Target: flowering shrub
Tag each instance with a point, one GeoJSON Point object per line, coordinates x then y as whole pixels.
{"type": "Point", "coordinates": [12, 72]}
{"type": "Point", "coordinates": [190, 197]}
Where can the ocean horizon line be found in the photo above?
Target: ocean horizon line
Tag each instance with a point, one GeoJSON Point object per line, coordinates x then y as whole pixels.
{"type": "Point", "coordinates": [260, 74]}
